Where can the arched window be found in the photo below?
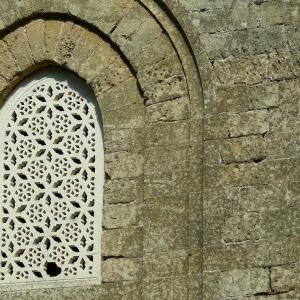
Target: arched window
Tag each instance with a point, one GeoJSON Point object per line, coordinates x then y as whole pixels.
{"type": "Point", "coordinates": [51, 162]}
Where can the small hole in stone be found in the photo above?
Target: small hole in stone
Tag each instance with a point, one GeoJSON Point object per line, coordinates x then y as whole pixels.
{"type": "Point", "coordinates": [53, 269]}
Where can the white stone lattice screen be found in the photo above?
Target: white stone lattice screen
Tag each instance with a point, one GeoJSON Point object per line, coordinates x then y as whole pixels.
{"type": "Point", "coordinates": [51, 183]}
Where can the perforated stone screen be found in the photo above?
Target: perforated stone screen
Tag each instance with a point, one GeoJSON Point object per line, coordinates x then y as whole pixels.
{"type": "Point", "coordinates": [51, 162]}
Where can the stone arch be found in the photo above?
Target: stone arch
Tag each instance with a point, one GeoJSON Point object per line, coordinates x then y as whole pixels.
{"type": "Point", "coordinates": [153, 143]}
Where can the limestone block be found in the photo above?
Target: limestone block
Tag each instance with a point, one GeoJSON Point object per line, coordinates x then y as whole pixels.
{"type": "Point", "coordinates": [124, 139]}
{"type": "Point", "coordinates": [242, 227]}
{"type": "Point", "coordinates": [244, 98]}
{"type": "Point", "coordinates": [86, 43]}
{"type": "Point", "coordinates": [120, 216]}
{"type": "Point", "coordinates": [76, 7]}
{"type": "Point", "coordinates": [157, 289]}
{"type": "Point", "coordinates": [283, 279]}
{"type": "Point", "coordinates": [235, 283]}
{"type": "Point", "coordinates": [36, 36]}
{"type": "Point", "coordinates": [174, 110]}
{"type": "Point", "coordinates": [131, 290]}
{"type": "Point", "coordinates": [180, 288]}
{"type": "Point", "coordinates": [152, 54]}
{"type": "Point", "coordinates": [253, 41]}
{"type": "Point", "coordinates": [280, 223]}
{"type": "Point", "coordinates": [212, 230]}
{"type": "Point", "coordinates": [123, 191]}
{"type": "Point", "coordinates": [238, 150]}
{"type": "Point", "coordinates": [108, 13]}
{"type": "Point", "coordinates": [277, 12]}
{"type": "Point", "coordinates": [166, 237]}
{"type": "Point", "coordinates": [69, 37]}
{"type": "Point", "coordinates": [196, 131]}
{"type": "Point", "coordinates": [168, 89]}
{"type": "Point", "coordinates": [195, 234]}
{"type": "Point", "coordinates": [158, 184]}
{"type": "Point", "coordinates": [260, 197]}
{"type": "Point", "coordinates": [169, 158]}
{"type": "Point", "coordinates": [282, 144]}
{"type": "Point", "coordinates": [121, 95]}
{"type": "Point", "coordinates": [122, 242]}
{"type": "Point", "coordinates": [135, 32]}
{"type": "Point", "coordinates": [99, 59]}
{"type": "Point", "coordinates": [19, 47]}
{"type": "Point", "coordinates": [11, 11]}
{"type": "Point", "coordinates": [165, 264]}
{"type": "Point", "coordinates": [235, 125]}
{"type": "Point", "coordinates": [52, 33]}
{"type": "Point", "coordinates": [195, 287]}
{"type": "Point", "coordinates": [124, 164]}
{"type": "Point", "coordinates": [161, 70]}
{"type": "Point", "coordinates": [115, 73]}
{"type": "Point", "coordinates": [8, 67]}
{"type": "Point", "coordinates": [167, 134]}
{"type": "Point", "coordinates": [285, 118]}
{"type": "Point", "coordinates": [217, 176]}
{"type": "Point", "coordinates": [3, 85]}
{"type": "Point", "coordinates": [251, 255]}
{"type": "Point", "coordinates": [268, 172]}
{"type": "Point", "coordinates": [256, 69]}
{"type": "Point", "coordinates": [195, 262]}
{"type": "Point", "coordinates": [235, 16]}
{"type": "Point", "coordinates": [187, 181]}
{"type": "Point", "coordinates": [292, 196]}
{"type": "Point", "coordinates": [127, 117]}
{"type": "Point", "coordinates": [165, 210]}
{"type": "Point", "coordinates": [196, 207]}
{"type": "Point", "coordinates": [121, 269]}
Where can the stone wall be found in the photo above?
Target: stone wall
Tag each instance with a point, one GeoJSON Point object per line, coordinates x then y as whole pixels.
{"type": "Point", "coordinates": [251, 141]}
{"type": "Point", "coordinates": [138, 64]}
{"type": "Point", "coordinates": [173, 227]}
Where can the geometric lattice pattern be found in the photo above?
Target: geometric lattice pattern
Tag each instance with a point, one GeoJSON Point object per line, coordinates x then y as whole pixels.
{"type": "Point", "coordinates": [48, 187]}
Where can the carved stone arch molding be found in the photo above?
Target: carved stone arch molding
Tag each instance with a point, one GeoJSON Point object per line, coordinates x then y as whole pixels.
{"type": "Point", "coordinates": [140, 65]}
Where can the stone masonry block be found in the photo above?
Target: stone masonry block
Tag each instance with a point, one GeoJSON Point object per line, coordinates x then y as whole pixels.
{"type": "Point", "coordinates": [158, 159]}
{"type": "Point", "coordinates": [52, 32]}
{"type": "Point", "coordinates": [166, 210]}
{"type": "Point", "coordinates": [123, 191]}
{"type": "Point", "coordinates": [233, 283]}
{"type": "Point", "coordinates": [8, 67]}
{"type": "Point", "coordinates": [167, 133]}
{"type": "Point", "coordinates": [157, 289]}
{"type": "Point", "coordinates": [283, 279]}
{"type": "Point", "coordinates": [174, 110]}
{"type": "Point", "coordinates": [36, 36]}
{"type": "Point", "coordinates": [69, 36]}
{"type": "Point", "coordinates": [124, 165]}
{"type": "Point", "coordinates": [165, 237]}
{"type": "Point", "coordinates": [19, 47]}
{"type": "Point", "coordinates": [235, 125]}
{"type": "Point", "coordinates": [120, 216]}
{"type": "Point", "coordinates": [121, 269]}
{"type": "Point", "coordinates": [244, 98]}
{"type": "Point", "coordinates": [122, 242]}
{"type": "Point", "coordinates": [108, 13]}
{"type": "Point", "coordinates": [165, 264]}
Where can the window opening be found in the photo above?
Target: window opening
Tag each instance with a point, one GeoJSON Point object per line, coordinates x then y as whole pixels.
{"type": "Point", "coordinates": [51, 181]}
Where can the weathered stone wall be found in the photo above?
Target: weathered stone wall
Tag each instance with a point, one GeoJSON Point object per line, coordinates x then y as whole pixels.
{"type": "Point", "coordinates": [141, 70]}
{"type": "Point", "coordinates": [133, 54]}
{"type": "Point", "coordinates": [251, 140]}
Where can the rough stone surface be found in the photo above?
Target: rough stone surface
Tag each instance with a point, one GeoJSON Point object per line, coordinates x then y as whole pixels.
{"type": "Point", "coordinates": [174, 227]}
